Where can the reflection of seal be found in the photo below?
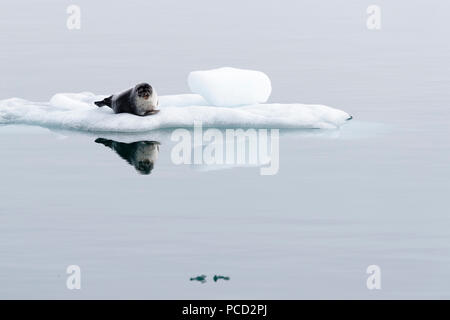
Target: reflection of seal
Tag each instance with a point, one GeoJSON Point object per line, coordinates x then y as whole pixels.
{"type": "Point", "coordinates": [140, 100]}
{"type": "Point", "coordinates": [141, 154]}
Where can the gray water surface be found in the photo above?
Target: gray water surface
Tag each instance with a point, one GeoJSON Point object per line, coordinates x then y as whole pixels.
{"type": "Point", "coordinates": [373, 193]}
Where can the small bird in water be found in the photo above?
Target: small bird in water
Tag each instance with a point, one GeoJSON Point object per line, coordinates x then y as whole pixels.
{"type": "Point", "coordinates": [216, 277]}
{"type": "Point", "coordinates": [201, 278]}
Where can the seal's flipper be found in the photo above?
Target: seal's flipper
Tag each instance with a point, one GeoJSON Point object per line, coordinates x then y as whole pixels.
{"type": "Point", "coordinates": [105, 142]}
{"type": "Point", "coordinates": [148, 113]}
{"type": "Point", "coordinates": [105, 102]}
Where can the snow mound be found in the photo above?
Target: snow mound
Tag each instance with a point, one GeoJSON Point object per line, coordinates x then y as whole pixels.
{"type": "Point", "coordinates": [227, 87]}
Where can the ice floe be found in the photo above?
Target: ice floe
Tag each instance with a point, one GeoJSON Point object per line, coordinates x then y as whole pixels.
{"type": "Point", "coordinates": [77, 112]}
{"type": "Point", "coordinates": [219, 88]}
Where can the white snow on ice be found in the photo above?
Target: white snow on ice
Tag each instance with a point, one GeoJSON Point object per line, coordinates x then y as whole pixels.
{"type": "Point", "coordinates": [228, 87]}
{"type": "Point", "coordinates": [77, 111]}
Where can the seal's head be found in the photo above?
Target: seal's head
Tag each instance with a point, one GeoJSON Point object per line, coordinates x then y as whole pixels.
{"type": "Point", "coordinates": [145, 155]}
{"type": "Point", "coordinates": [146, 99]}
{"type": "Point", "coordinates": [144, 90]}
{"type": "Point", "coordinates": [144, 167]}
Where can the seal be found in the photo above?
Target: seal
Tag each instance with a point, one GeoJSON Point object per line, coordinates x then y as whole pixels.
{"type": "Point", "coordinates": [142, 155]}
{"type": "Point", "coordinates": [140, 100]}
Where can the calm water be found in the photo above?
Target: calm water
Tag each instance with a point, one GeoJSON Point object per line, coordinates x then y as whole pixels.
{"type": "Point", "coordinates": [374, 192]}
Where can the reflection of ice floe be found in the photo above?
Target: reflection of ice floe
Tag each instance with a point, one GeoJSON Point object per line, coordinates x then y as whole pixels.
{"type": "Point", "coordinates": [161, 135]}
{"type": "Point", "coordinates": [218, 149]}
{"type": "Point", "coordinates": [164, 135]}
{"type": "Point", "coordinates": [126, 145]}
